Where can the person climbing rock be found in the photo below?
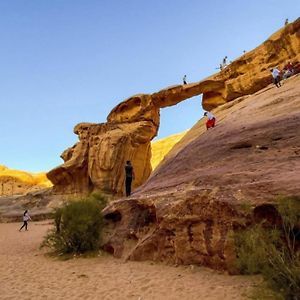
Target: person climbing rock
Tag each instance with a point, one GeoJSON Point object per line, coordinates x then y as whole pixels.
{"type": "Point", "coordinates": [276, 77]}
{"type": "Point", "coordinates": [211, 120]}
{"type": "Point", "coordinates": [286, 22]}
{"type": "Point", "coordinates": [184, 79]}
{"type": "Point", "coordinates": [288, 70]}
{"type": "Point", "coordinates": [129, 176]}
{"type": "Point", "coordinates": [26, 218]}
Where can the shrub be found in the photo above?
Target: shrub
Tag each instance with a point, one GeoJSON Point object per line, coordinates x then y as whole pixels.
{"type": "Point", "coordinates": [78, 226]}
{"type": "Point", "coordinates": [274, 251]}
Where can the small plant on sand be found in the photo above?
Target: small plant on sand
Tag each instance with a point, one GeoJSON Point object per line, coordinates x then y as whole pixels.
{"type": "Point", "coordinates": [78, 226]}
{"type": "Point", "coordinates": [274, 251]}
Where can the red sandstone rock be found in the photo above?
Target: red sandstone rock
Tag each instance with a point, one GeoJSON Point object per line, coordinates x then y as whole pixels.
{"type": "Point", "coordinates": [188, 208]}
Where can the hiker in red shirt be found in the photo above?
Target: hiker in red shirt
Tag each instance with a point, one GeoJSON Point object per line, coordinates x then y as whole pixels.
{"type": "Point", "coordinates": [211, 120]}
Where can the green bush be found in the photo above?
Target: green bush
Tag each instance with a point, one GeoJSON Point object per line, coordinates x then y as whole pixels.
{"type": "Point", "coordinates": [274, 251]}
{"type": "Point", "coordinates": [78, 226]}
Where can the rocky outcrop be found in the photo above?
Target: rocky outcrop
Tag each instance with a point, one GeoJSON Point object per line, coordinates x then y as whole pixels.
{"type": "Point", "coordinates": [251, 72]}
{"type": "Point", "coordinates": [97, 160]}
{"type": "Point", "coordinates": [16, 182]}
{"type": "Point", "coordinates": [187, 210]}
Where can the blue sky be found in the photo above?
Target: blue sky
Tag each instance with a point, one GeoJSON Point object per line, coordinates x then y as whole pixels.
{"type": "Point", "coordinates": [68, 61]}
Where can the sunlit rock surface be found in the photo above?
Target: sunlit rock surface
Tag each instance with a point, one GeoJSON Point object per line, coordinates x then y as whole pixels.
{"type": "Point", "coordinates": [97, 161]}
{"type": "Point", "coordinates": [16, 182]}
{"type": "Point", "coordinates": [160, 148]}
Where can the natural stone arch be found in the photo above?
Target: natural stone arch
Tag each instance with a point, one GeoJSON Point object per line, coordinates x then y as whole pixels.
{"type": "Point", "coordinates": [97, 160]}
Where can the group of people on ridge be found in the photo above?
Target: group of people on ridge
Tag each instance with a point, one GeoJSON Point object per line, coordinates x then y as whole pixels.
{"type": "Point", "coordinates": [286, 72]}
{"type": "Point", "coordinates": [277, 75]}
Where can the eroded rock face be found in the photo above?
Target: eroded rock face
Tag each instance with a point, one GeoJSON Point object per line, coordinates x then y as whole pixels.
{"type": "Point", "coordinates": [251, 72]}
{"type": "Point", "coordinates": [187, 210]}
{"type": "Point", "coordinates": [97, 160]}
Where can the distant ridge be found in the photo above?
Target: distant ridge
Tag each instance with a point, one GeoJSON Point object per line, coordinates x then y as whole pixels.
{"type": "Point", "coordinates": [17, 182]}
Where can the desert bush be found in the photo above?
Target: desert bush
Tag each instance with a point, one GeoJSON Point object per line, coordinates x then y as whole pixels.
{"type": "Point", "coordinates": [99, 198]}
{"type": "Point", "coordinates": [274, 251]}
{"type": "Point", "coordinates": [78, 226]}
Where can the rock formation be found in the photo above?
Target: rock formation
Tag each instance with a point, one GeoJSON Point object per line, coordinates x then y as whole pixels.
{"type": "Point", "coordinates": [188, 208]}
{"type": "Point", "coordinates": [97, 160]}
{"type": "Point", "coordinates": [15, 182]}
{"type": "Point", "coordinates": [160, 148]}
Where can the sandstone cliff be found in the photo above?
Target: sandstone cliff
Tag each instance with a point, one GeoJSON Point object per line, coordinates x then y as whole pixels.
{"type": "Point", "coordinates": [186, 211]}
{"type": "Point", "coordinates": [15, 182]}
{"type": "Point", "coordinates": [97, 161]}
{"type": "Point", "coordinates": [162, 147]}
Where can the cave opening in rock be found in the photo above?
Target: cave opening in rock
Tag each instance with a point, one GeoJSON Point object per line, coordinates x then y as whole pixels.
{"type": "Point", "coordinates": [114, 216]}
{"type": "Point", "coordinates": [175, 121]}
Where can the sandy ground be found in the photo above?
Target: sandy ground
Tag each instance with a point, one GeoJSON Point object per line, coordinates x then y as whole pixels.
{"type": "Point", "coordinates": [27, 273]}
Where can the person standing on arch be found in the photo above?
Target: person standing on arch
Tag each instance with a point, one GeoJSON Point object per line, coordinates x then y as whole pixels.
{"type": "Point", "coordinates": [184, 79]}
{"type": "Point", "coordinates": [129, 176]}
{"type": "Point", "coordinates": [211, 120]}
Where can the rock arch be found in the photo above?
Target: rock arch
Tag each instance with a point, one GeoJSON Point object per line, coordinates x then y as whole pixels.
{"type": "Point", "coordinates": [97, 160]}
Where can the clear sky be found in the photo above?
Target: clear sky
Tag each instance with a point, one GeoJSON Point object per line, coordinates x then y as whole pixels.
{"type": "Point", "coordinates": [63, 62]}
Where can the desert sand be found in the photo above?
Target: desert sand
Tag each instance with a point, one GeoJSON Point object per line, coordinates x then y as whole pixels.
{"type": "Point", "coordinates": [27, 273]}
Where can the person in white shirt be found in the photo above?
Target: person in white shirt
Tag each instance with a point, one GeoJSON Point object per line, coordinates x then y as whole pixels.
{"type": "Point", "coordinates": [26, 218]}
{"type": "Point", "coordinates": [276, 77]}
{"type": "Point", "coordinates": [211, 120]}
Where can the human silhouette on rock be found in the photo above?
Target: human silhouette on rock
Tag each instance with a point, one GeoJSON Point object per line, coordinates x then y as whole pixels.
{"type": "Point", "coordinates": [129, 176]}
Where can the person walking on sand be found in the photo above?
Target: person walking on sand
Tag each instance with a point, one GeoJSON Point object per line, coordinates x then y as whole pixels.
{"type": "Point", "coordinates": [184, 79]}
{"type": "Point", "coordinates": [26, 218]}
{"type": "Point", "coordinates": [211, 120]}
{"type": "Point", "coordinates": [129, 176]}
{"type": "Point", "coordinates": [276, 77]}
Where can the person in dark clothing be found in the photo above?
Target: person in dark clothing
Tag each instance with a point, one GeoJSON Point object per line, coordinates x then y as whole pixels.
{"type": "Point", "coordinates": [26, 218]}
{"type": "Point", "coordinates": [129, 176]}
